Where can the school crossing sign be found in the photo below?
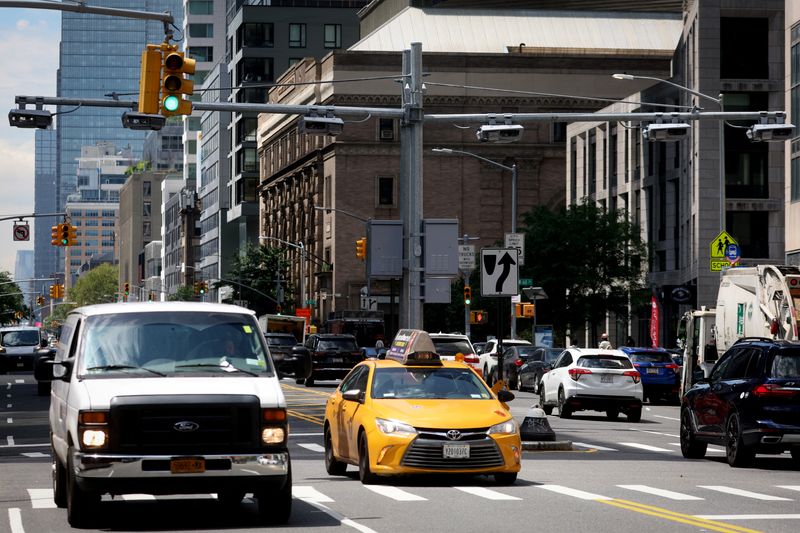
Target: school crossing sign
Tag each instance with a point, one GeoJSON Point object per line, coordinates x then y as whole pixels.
{"type": "Point", "coordinates": [722, 248]}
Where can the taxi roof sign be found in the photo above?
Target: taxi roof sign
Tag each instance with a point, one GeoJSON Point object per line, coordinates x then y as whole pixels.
{"type": "Point", "coordinates": [413, 346]}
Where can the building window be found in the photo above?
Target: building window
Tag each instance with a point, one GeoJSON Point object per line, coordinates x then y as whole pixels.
{"type": "Point", "coordinates": [744, 48]}
{"type": "Point", "coordinates": [794, 66]}
{"type": "Point", "coordinates": [385, 191]}
{"type": "Point", "coordinates": [297, 35]}
{"type": "Point", "coordinates": [558, 132]}
{"type": "Point", "coordinates": [254, 70]}
{"type": "Point", "coordinates": [146, 209]}
{"type": "Point", "coordinates": [201, 7]}
{"type": "Point", "coordinates": [751, 229]}
{"type": "Point", "coordinates": [746, 162]}
{"type": "Point", "coordinates": [201, 53]}
{"type": "Point", "coordinates": [386, 129]}
{"type": "Point", "coordinates": [327, 192]}
{"type": "Point", "coordinates": [794, 184]}
{"type": "Point", "coordinates": [333, 35]}
{"type": "Point", "coordinates": [201, 30]}
{"type": "Point", "coordinates": [147, 188]}
{"type": "Point", "coordinates": [255, 35]}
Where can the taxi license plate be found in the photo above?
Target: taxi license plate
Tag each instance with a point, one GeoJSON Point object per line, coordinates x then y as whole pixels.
{"type": "Point", "coordinates": [187, 466]}
{"type": "Point", "coordinates": [652, 371]}
{"type": "Point", "coordinates": [607, 378]}
{"type": "Point", "coordinates": [455, 451]}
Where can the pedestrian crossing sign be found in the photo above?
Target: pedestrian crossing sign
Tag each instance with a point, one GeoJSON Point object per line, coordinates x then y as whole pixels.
{"type": "Point", "coordinates": [718, 247]}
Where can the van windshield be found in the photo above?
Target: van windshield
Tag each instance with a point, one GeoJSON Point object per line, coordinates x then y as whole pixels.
{"type": "Point", "coordinates": [20, 337]}
{"type": "Point", "coordinates": [174, 344]}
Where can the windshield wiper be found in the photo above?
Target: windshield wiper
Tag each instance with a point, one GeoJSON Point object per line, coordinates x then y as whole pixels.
{"type": "Point", "coordinates": [225, 367]}
{"type": "Point", "coordinates": [126, 367]}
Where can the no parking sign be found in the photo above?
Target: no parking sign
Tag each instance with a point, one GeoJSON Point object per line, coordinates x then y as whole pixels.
{"type": "Point", "coordinates": [22, 232]}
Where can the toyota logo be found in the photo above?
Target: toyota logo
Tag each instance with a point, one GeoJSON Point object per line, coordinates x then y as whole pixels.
{"type": "Point", "coordinates": [453, 434]}
{"type": "Point", "coordinates": [186, 426]}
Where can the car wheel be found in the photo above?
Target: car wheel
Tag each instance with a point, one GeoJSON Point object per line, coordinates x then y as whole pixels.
{"type": "Point", "coordinates": [299, 381]}
{"type": "Point", "coordinates": [612, 414]}
{"type": "Point", "coordinates": [634, 414]}
{"type": "Point", "coordinates": [364, 473]}
{"type": "Point", "coordinates": [59, 482]}
{"type": "Point", "coordinates": [548, 409]}
{"type": "Point", "coordinates": [520, 387]}
{"type": "Point", "coordinates": [333, 466]}
{"type": "Point", "coordinates": [309, 381]}
{"type": "Point", "coordinates": [563, 410]}
{"type": "Point", "coordinates": [275, 503]}
{"type": "Point", "coordinates": [735, 450]}
{"type": "Point", "coordinates": [505, 478]}
{"type": "Point", "coordinates": [691, 448]}
{"type": "Point", "coordinates": [80, 503]}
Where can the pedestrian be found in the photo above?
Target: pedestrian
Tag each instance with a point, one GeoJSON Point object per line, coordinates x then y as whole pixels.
{"type": "Point", "coordinates": [629, 341]}
{"type": "Point", "coordinates": [379, 344]}
{"type": "Point", "coordinates": [604, 343]}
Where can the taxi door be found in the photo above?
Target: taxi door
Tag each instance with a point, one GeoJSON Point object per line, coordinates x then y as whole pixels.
{"type": "Point", "coordinates": [344, 410]}
{"type": "Point", "coordinates": [352, 410]}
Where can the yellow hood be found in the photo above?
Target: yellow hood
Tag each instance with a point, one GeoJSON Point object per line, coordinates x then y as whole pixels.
{"type": "Point", "coordinates": [450, 414]}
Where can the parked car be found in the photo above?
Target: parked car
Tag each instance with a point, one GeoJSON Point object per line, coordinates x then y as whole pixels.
{"type": "Point", "coordinates": [750, 403]}
{"type": "Point", "coordinates": [488, 357]}
{"type": "Point", "coordinates": [18, 347]}
{"type": "Point", "coordinates": [513, 359]}
{"type": "Point", "coordinates": [593, 379]}
{"type": "Point", "coordinates": [535, 366]}
{"type": "Point", "coordinates": [291, 359]}
{"type": "Point", "coordinates": [478, 346]}
{"type": "Point", "coordinates": [333, 355]}
{"type": "Point", "coordinates": [661, 375]}
{"type": "Point", "coordinates": [449, 344]}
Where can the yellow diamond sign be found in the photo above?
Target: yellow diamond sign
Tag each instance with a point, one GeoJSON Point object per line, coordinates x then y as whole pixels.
{"type": "Point", "coordinates": [718, 247]}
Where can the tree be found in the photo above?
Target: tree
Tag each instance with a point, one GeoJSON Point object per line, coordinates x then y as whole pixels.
{"type": "Point", "coordinates": [99, 285]}
{"type": "Point", "coordinates": [184, 293]}
{"type": "Point", "coordinates": [256, 276]}
{"type": "Point", "coordinates": [11, 299]}
{"type": "Point", "coordinates": [589, 261]}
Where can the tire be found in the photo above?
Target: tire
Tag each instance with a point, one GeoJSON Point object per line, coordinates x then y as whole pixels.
{"type": "Point", "coordinates": [548, 409]}
{"type": "Point", "coordinates": [691, 448]}
{"type": "Point", "coordinates": [736, 452]}
{"type": "Point", "coordinates": [563, 410]}
{"type": "Point", "coordinates": [364, 473]}
{"type": "Point", "coordinates": [539, 386]}
{"type": "Point", "coordinates": [612, 414]}
{"type": "Point", "coordinates": [59, 482]}
{"type": "Point", "coordinates": [505, 478]}
{"type": "Point", "coordinates": [635, 414]}
{"type": "Point", "coordinates": [81, 504]}
{"type": "Point", "coordinates": [230, 498]}
{"type": "Point", "coordinates": [43, 388]}
{"type": "Point", "coordinates": [275, 503]}
{"type": "Point", "coordinates": [333, 466]}
{"type": "Point", "coordinates": [299, 381]}
{"type": "Point", "coordinates": [520, 388]}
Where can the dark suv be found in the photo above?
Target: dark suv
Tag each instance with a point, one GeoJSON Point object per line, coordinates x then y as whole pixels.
{"type": "Point", "coordinates": [750, 403]}
{"type": "Point", "coordinates": [332, 356]}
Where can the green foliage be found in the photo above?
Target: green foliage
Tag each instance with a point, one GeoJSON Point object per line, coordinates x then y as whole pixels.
{"type": "Point", "coordinates": [595, 254]}
{"type": "Point", "coordinates": [98, 285]}
{"type": "Point", "coordinates": [185, 293]}
{"type": "Point", "coordinates": [254, 278]}
{"type": "Point", "coordinates": [10, 302]}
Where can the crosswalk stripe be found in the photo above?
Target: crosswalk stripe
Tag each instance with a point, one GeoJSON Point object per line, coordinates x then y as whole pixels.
{"type": "Point", "coordinates": [575, 493]}
{"type": "Point", "coordinates": [137, 497]}
{"type": "Point", "coordinates": [304, 492]}
{"type": "Point", "coordinates": [789, 487]}
{"type": "Point", "coordinates": [749, 516]}
{"type": "Point", "coordinates": [660, 492]}
{"type": "Point", "coordinates": [41, 498]}
{"type": "Point", "coordinates": [745, 493]}
{"type": "Point", "coordinates": [395, 493]}
{"type": "Point", "coordinates": [594, 446]}
{"type": "Point", "coordinates": [311, 446]}
{"type": "Point", "coordinates": [645, 447]}
{"type": "Point", "coordinates": [35, 455]}
{"type": "Point", "coordinates": [486, 493]}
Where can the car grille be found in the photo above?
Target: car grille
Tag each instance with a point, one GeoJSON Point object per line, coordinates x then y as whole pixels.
{"type": "Point", "coordinates": [145, 425]}
{"type": "Point", "coordinates": [426, 450]}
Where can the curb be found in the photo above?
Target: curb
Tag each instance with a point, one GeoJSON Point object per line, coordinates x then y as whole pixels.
{"type": "Point", "coordinates": [558, 445]}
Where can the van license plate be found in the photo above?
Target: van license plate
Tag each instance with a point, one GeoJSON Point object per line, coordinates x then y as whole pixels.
{"type": "Point", "coordinates": [455, 451]}
{"type": "Point", "coordinates": [607, 378]}
{"type": "Point", "coordinates": [187, 466]}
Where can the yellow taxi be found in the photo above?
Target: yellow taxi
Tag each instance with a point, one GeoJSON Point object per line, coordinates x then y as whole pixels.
{"type": "Point", "coordinates": [413, 413]}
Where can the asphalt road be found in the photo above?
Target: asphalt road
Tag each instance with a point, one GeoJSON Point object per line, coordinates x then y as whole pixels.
{"type": "Point", "coordinates": [620, 477]}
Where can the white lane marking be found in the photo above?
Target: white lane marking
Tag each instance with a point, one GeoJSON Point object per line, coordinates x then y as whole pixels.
{"type": "Point", "coordinates": [310, 446]}
{"type": "Point", "coordinates": [667, 417]}
{"type": "Point", "coordinates": [8, 386]}
{"type": "Point", "coordinates": [35, 455]}
{"type": "Point", "coordinates": [19, 381]}
{"type": "Point", "coordinates": [575, 493]}
{"type": "Point", "coordinates": [137, 497]}
{"type": "Point", "coordinates": [745, 493]}
{"type": "Point", "coordinates": [595, 446]}
{"type": "Point", "coordinates": [309, 494]}
{"type": "Point", "coordinates": [645, 447]}
{"type": "Point", "coordinates": [749, 516]}
{"type": "Point", "coordinates": [305, 435]}
{"type": "Point", "coordinates": [710, 449]}
{"type": "Point", "coordinates": [42, 498]}
{"type": "Point", "coordinates": [43, 445]}
{"type": "Point", "coordinates": [395, 493]}
{"type": "Point", "coordinates": [660, 492]}
{"type": "Point", "coordinates": [655, 432]}
{"type": "Point", "coordinates": [10, 440]}
{"type": "Point", "coordinates": [8, 406]}
{"type": "Point", "coordinates": [340, 518]}
{"type": "Point", "coordinates": [15, 519]}
{"type": "Point", "coordinates": [789, 487]}
{"type": "Point", "coordinates": [489, 494]}
{"type": "Point", "coordinates": [9, 420]}
{"type": "Point", "coordinates": [647, 409]}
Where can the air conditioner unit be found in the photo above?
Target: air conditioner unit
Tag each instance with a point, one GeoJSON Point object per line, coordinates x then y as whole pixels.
{"type": "Point", "coordinates": [387, 134]}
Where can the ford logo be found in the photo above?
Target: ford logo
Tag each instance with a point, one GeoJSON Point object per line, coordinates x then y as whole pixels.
{"type": "Point", "coordinates": [186, 426]}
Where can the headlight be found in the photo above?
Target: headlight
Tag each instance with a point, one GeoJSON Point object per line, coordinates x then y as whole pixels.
{"type": "Point", "coordinates": [93, 429]}
{"type": "Point", "coordinates": [503, 428]}
{"type": "Point", "coordinates": [393, 427]}
{"type": "Point", "coordinates": [272, 435]}
{"type": "Point", "coordinates": [94, 438]}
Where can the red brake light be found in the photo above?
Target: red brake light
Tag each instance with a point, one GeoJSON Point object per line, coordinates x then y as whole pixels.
{"type": "Point", "coordinates": [471, 359]}
{"type": "Point", "coordinates": [672, 366]}
{"type": "Point", "coordinates": [771, 389]}
{"type": "Point", "coordinates": [634, 374]}
{"type": "Point", "coordinates": [575, 373]}
{"type": "Point", "coordinates": [518, 362]}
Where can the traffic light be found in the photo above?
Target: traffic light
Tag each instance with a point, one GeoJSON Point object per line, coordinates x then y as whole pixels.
{"type": "Point", "coordinates": [63, 234]}
{"type": "Point", "coordinates": [53, 291]}
{"type": "Point", "coordinates": [197, 287]}
{"type": "Point", "coordinates": [56, 291]}
{"type": "Point", "coordinates": [174, 84]}
{"type": "Point", "coordinates": [40, 300]}
{"type": "Point", "coordinates": [126, 288]}
{"type": "Point", "coordinates": [478, 317]}
{"type": "Point", "coordinates": [467, 295]}
{"type": "Point", "coordinates": [150, 81]}
{"type": "Point", "coordinates": [528, 310]}
{"type": "Point", "coordinates": [55, 237]}
{"type": "Point", "coordinates": [72, 235]}
{"type": "Point", "coordinates": [361, 248]}
{"type": "Point", "coordinates": [202, 287]}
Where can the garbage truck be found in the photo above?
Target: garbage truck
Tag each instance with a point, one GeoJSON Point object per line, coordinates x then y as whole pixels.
{"type": "Point", "coordinates": [758, 301]}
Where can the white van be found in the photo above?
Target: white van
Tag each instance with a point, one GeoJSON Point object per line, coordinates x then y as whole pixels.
{"type": "Point", "coordinates": [166, 398]}
{"type": "Point", "coordinates": [18, 347]}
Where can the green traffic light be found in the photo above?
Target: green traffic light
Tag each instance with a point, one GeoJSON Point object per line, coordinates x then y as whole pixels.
{"type": "Point", "coordinates": [171, 102]}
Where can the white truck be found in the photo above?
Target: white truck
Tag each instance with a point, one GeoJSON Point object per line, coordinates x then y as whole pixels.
{"type": "Point", "coordinates": [285, 336]}
{"type": "Point", "coordinates": [759, 301]}
{"type": "Point", "coordinates": [296, 325]}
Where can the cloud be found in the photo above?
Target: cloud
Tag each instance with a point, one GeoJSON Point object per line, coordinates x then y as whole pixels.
{"type": "Point", "coordinates": [23, 24]}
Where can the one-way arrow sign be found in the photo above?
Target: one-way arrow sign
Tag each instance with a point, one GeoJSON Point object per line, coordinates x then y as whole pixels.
{"type": "Point", "coordinates": [499, 272]}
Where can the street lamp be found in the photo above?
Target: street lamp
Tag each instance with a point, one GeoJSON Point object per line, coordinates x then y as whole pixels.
{"type": "Point", "coordinates": [717, 101]}
{"type": "Point", "coordinates": [300, 246]}
{"type": "Point", "coordinates": [513, 170]}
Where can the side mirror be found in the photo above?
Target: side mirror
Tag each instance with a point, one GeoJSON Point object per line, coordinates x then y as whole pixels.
{"type": "Point", "coordinates": [505, 396]}
{"type": "Point", "coordinates": [302, 362]}
{"type": "Point", "coordinates": [43, 365]}
{"type": "Point", "coordinates": [43, 343]}
{"type": "Point", "coordinates": [353, 395]}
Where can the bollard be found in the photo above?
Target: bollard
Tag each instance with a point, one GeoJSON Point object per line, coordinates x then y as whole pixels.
{"type": "Point", "coordinates": [535, 426]}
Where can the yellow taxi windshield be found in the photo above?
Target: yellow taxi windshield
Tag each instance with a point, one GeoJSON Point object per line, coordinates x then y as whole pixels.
{"type": "Point", "coordinates": [427, 383]}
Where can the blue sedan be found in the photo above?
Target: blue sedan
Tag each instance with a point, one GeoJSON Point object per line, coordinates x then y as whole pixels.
{"type": "Point", "coordinates": [660, 374]}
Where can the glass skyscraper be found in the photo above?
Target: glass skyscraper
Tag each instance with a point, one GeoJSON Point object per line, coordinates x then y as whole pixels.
{"type": "Point", "coordinates": [45, 190]}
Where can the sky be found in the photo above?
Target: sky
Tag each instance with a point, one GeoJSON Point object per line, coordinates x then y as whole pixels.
{"type": "Point", "coordinates": [28, 62]}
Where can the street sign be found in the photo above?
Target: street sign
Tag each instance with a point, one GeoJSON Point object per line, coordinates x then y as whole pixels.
{"type": "Point", "coordinates": [466, 257]}
{"type": "Point", "coordinates": [369, 304]}
{"type": "Point", "coordinates": [719, 247]}
{"type": "Point", "coordinates": [517, 240]}
{"type": "Point", "coordinates": [22, 232]}
{"type": "Point", "coordinates": [499, 272]}
{"type": "Point", "coordinates": [732, 254]}
{"type": "Point", "coordinates": [526, 282]}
